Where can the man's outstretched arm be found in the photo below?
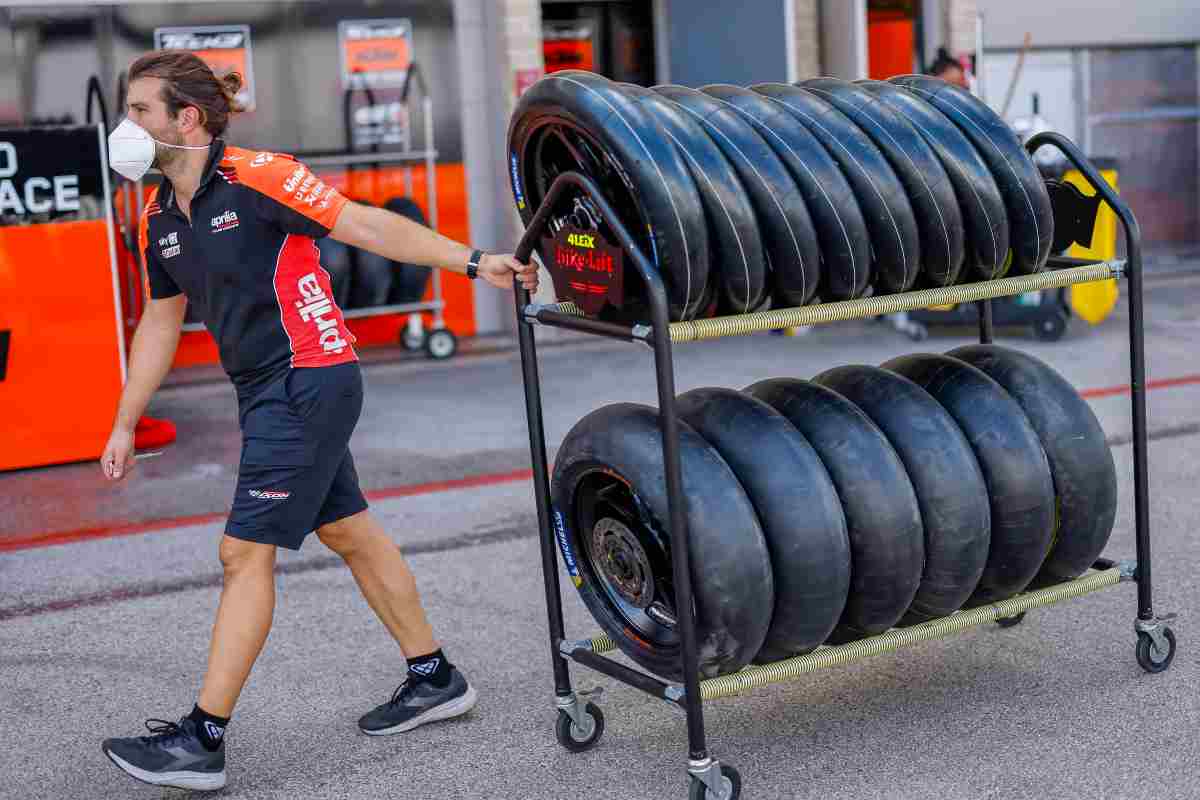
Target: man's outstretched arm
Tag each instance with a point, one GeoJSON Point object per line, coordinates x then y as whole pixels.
{"type": "Point", "coordinates": [401, 239]}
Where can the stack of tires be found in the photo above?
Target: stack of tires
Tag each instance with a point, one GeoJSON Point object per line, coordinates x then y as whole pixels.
{"type": "Point", "coordinates": [783, 195]}
{"type": "Point", "coordinates": [825, 510]}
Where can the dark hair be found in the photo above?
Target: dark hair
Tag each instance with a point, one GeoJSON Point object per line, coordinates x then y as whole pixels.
{"type": "Point", "coordinates": [943, 62]}
{"type": "Point", "coordinates": [188, 81]}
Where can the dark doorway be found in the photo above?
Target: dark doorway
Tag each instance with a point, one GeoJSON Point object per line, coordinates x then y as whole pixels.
{"type": "Point", "coordinates": [614, 39]}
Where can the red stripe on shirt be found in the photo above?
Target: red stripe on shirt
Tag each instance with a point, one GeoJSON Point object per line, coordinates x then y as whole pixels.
{"type": "Point", "coordinates": [311, 319]}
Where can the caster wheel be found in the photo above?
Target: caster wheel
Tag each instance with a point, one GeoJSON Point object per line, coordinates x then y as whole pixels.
{"type": "Point", "coordinates": [731, 783]}
{"type": "Point", "coordinates": [577, 739]}
{"type": "Point", "coordinates": [1011, 622]}
{"type": "Point", "coordinates": [440, 344]}
{"type": "Point", "coordinates": [918, 333]}
{"type": "Point", "coordinates": [412, 341]}
{"type": "Point", "coordinates": [1151, 658]}
{"type": "Point", "coordinates": [1052, 328]}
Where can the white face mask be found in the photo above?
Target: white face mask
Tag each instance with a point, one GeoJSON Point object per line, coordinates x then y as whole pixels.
{"type": "Point", "coordinates": [131, 149]}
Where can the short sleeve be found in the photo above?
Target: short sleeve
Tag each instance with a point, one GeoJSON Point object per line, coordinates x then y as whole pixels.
{"type": "Point", "coordinates": [160, 284]}
{"type": "Point", "coordinates": [291, 196]}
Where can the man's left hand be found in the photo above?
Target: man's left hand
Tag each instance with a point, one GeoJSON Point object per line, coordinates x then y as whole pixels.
{"type": "Point", "coordinates": [499, 269]}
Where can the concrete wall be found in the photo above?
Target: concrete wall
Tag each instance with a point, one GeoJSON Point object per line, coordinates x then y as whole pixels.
{"type": "Point", "coordinates": [496, 40]}
{"type": "Point", "coordinates": [806, 39]}
{"type": "Point", "coordinates": [959, 26]}
{"type": "Point", "coordinates": [1066, 23]}
{"type": "Point", "coordinates": [843, 26]}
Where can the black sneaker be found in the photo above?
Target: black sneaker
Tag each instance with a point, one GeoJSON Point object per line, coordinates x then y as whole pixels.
{"type": "Point", "coordinates": [415, 703]}
{"type": "Point", "coordinates": [171, 756]}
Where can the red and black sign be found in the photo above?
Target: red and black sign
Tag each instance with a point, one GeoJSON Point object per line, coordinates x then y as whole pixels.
{"type": "Point", "coordinates": [225, 48]}
{"type": "Point", "coordinates": [586, 269]}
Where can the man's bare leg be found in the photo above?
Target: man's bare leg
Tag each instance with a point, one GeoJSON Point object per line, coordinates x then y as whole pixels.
{"type": "Point", "coordinates": [243, 622]}
{"type": "Point", "coordinates": [434, 689]}
{"type": "Point", "coordinates": [384, 579]}
{"type": "Point", "coordinates": [191, 754]}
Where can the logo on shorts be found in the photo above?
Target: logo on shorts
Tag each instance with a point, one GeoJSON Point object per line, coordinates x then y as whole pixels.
{"type": "Point", "coordinates": [269, 494]}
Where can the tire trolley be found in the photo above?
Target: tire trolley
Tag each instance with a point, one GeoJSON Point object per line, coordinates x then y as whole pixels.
{"type": "Point", "coordinates": [580, 723]}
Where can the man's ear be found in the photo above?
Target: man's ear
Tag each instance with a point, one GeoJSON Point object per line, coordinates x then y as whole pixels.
{"type": "Point", "coordinates": [190, 118]}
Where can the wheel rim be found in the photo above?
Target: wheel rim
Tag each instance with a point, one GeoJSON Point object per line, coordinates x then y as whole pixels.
{"type": "Point", "coordinates": [627, 557]}
{"type": "Point", "coordinates": [560, 146]}
{"type": "Point", "coordinates": [624, 562]}
{"type": "Point", "coordinates": [581, 733]}
{"type": "Point", "coordinates": [557, 145]}
{"type": "Point", "coordinates": [441, 345]}
{"type": "Point", "coordinates": [1158, 656]}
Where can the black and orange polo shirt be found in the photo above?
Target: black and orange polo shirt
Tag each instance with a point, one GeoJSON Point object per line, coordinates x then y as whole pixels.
{"type": "Point", "coordinates": [248, 262]}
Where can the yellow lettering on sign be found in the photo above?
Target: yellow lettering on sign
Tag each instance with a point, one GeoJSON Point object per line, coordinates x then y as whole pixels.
{"type": "Point", "coordinates": [581, 240]}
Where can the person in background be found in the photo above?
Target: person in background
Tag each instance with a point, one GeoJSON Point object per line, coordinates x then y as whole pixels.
{"type": "Point", "coordinates": [948, 69]}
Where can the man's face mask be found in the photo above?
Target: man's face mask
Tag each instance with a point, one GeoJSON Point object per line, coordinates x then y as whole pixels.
{"type": "Point", "coordinates": [131, 149]}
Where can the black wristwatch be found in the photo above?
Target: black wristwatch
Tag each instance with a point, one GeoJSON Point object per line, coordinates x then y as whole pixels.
{"type": "Point", "coordinates": [473, 264]}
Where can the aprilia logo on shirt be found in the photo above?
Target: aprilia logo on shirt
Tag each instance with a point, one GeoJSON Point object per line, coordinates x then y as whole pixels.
{"type": "Point", "coordinates": [169, 245]}
{"type": "Point", "coordinates": [225, 222]}
{"type": "Point", "coordinates": [313, 308]}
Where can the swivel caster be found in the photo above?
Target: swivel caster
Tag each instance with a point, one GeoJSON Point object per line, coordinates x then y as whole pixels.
{"type": "Point", "coordinates": [729, 788]}
{"type": "Point", "coordinates": [441, 344]}
{"type": "Point", "coordinates": [581, 736]}
{"type": "Point", "coordinates": [413, 335]}
{"type": "Point", "coordinates": [1155, 653]}
{"type": "Point", "coordinates": [412, 341]}
{"type": "Point", "coordinates": [1051, 328]}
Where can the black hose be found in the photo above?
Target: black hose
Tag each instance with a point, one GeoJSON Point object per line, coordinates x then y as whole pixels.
{"type": "Point", "coordinates": [96, 91]}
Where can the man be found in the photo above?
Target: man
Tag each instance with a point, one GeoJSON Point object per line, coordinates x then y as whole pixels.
{"type": "Point", "coordinates": [233, 231]}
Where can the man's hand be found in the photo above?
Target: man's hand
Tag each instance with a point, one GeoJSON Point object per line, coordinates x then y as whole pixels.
{"type": "Point", "coordinates": [498, 270]}
{"type": "Point", "coordinates": [118, 458]}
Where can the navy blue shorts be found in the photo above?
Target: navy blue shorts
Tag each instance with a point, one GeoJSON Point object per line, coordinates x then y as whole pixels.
{"type": "Point", "coordinates": [296, 472]}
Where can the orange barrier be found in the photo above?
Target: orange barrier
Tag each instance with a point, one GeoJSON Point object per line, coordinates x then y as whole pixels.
{"type": "Point", "coordinates": [63, 373]}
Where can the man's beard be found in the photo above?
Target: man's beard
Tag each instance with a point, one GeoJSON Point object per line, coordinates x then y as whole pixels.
{"type": "Point", "coordinates": [166, 156]}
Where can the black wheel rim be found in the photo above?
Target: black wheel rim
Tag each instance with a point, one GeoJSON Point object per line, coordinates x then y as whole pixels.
{"type": "Point", "coordinates": [626, 555]}
{"type": "Point", "coordinates": [556, 145]}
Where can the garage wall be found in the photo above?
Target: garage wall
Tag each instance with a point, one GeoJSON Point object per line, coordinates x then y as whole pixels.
{"type": "Point", "coordinates": [1067, 23]}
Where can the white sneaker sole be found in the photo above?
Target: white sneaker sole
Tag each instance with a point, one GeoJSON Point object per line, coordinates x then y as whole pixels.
{"type": "Point", "coordinates": [455, 708]}
{"type": "Point", "coordinates": [199, 781]}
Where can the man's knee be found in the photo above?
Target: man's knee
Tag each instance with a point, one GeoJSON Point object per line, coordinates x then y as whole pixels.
{"type": "Point", "coordinates": [346, 535]}
{"type": "Point", "coordinates": [239, 555]}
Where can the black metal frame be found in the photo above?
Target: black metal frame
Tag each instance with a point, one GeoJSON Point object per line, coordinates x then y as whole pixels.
{"type": "Point", "coordinates": [657, 334]}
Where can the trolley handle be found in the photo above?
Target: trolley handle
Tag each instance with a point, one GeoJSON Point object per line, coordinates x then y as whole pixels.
{"type": "Point", "coordinates": [1133, 235]}
{"type": "Point", "coordinates": [541, 221]}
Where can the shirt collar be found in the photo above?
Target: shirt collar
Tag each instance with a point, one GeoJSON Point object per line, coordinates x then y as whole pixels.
{"type": "Point", "coordinates": [216, 151]}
